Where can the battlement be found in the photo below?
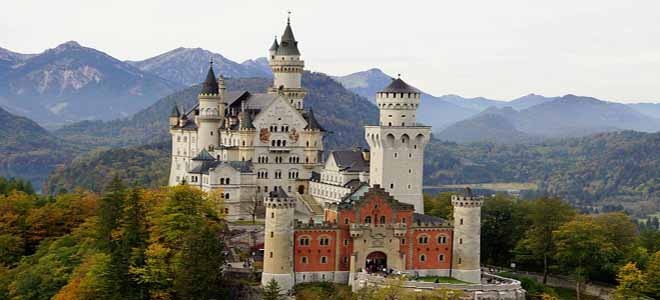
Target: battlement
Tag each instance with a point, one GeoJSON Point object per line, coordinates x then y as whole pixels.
{"type": "Point", "coordinates": [467, 201]}
{"type": "Point", "coordinates": [279, 202]}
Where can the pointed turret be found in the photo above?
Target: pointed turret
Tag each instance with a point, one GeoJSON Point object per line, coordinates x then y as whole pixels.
{"type": "Point", "coordinates": [210, 85]}
{"type": "Point", "coordinates": [273, 48]}
{"type": "Point", "coordinates": [174, 116]}
{"type": "Point", "coordinates": [175, 111]}
{"type": "Point", "coordinates": [288, 44]}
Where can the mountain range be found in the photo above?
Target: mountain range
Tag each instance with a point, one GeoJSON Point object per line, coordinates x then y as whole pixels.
{"type": "Point", "coordinates": [528, 118]}
{"type": "Point", "coordinates": [188, 66]}
{"type": "Point", "coordinates": [70, 83]}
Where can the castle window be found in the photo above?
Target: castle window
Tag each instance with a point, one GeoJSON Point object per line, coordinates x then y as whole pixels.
{"type": "Point", "coordinates": [272, 215]}
{"type": "Point", "coordinates": [396, 154]}
{"type": "Point", "coordinates": [442, 239]}
{"type": "Point", "coordinates": [403, 241]}
{"type": "Point", "coordinates": [304, 241]}
{"type": "Point", "coordinates": [345, 259]}
{"type": "Point", "coordinates": [211, 132]}
{"type": "Point", "coordinates": [324, 241]}
{"type": "Point", "coordinates": [303, 259]}
{"type": "Point", "coordinates": [389, 124]}
{"type": "Point", "coordinates": [270, 254]}
{"type": "Point", "coordinates": [423, 239]}
{"type": "Point", "coordinates": [345, 242]}
{"type": "Point", "coordinates": [460, 241]}
{"type": "Point", "coordinates": [227, 180]}
{"type": "Point", "coordinates": [227, 196]}
{"type": "Point", "coordinates": [422, 258]}
{"type": "Point", "coordinates": [382, 220]}
{"type": "Point", "coordinates": [460, 260]}
{"type": "Point", "coordinates": [367, 220]}
{"type": "Point", "coordinates": [345, 220]}
{"type": "Point", "coordinates": [271, 234]}
{"type": "Point", "coordinates": [391, 185]}
{"type": "Point", "coordinates": [403, 220]}
{"type": "Point", "coordinates": [409, 171]}
{"type": "Point", "coordinates": [461, 221]}
{"type": "Point", "coordinates": [324, 259]}
{"type": "Point", "coordinates": [441, 257]}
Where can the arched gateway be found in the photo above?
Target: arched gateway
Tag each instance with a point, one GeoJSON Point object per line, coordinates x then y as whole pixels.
{"type": "Point", "coordinates": [376, 262]}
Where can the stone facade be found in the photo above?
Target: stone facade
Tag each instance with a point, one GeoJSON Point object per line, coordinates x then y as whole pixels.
{"type": "Point", "coordinates": [269, 140]}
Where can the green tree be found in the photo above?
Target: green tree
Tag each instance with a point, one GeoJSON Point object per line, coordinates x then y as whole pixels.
{"type": "Point", "coordinates": [503, 223]}
{"type": "Point", "coordinates": [652, 277]}
{"type": "Point", "coordinates": [631, 282]}
{"type": "Point", "coordinates": [439, 205]}
{"type": "Point", "coordinates": [582, 245]}
{"type": "Point", "coordinates": [272, 291]}
{"type": "Point", "coordinates": [184, 258]}
{"type": "Point", "coordinates": [545, 215]}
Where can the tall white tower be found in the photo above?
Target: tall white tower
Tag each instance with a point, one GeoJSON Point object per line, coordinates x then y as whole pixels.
{"type": "Point", "coordinates": [284, 60]}
{"type": "Point", "coordinates": [278, 240]}
{"type": "Point", "coordinates": [397, 144]}
{"type": "Point", "coordinates": [211, 112]}
{"type": "Point", "coordinates": [467, 237]}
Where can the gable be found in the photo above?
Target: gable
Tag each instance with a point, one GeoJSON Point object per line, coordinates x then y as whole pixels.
{"type": "Point", "coordinates": [280, 112]}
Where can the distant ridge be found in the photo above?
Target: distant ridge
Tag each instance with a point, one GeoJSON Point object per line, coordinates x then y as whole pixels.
{"type": "Point", "coordinates": [188, 66]}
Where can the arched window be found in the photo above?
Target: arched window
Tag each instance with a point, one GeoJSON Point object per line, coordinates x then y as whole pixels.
{"type": "Point", "coordinates": [423, 239]}
{"type": "Point", "coordinates": [422, 258]}
{"type": "Point", "coordinates": [382, 220]}
{"type": "Point", "coordinates": [367, 220]}
{"type": "Point", "coordinates": [441, 257]}
{"type": "Point", "coordinates": [324, 241]}
{"type": "Point", "coordinates": [227, 180]}
{"type": "Point", "coordinates": [304, 241]}
{"type": "Point", "coordinates": [442, 239]}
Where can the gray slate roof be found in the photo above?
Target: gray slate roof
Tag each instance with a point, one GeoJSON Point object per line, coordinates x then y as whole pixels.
{"type": "Point", "coordinates": [204, 156]}
{"type": "Point", "coordinates": [278, 193]}
{"type": "Point", "coordinates": [288, 44]}
{"type": "Point", "coordinates": [240, 166]}
{"type": "Point", "coordinates": [420, 218]}
{"type": "Point", "coordinates": [210, 85]}
{"type": "Point", "coordinates": [312, 123]}
{"type": "Point", "coordinates": [350, 160]}
{"type": "Point", "coordinates": [399, 86]}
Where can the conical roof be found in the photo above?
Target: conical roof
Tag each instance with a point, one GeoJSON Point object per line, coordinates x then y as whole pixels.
{"type": "Point", "coordinates": [288, 44]}
{"type": "Point", "coordinates": [312, 123]}
{"type": "Point", "coordinates": [399, 86]}
{"type": "Point", "coordinates": [274, 46]}
{"type": "Point", "coordinates": [245, 120]}
{"type": "Point", "coordinates": [203, 156]}
{"type": "Point", "coordinates": [175, 111]}
{"type": "Point", "coordinates": [210, 85]}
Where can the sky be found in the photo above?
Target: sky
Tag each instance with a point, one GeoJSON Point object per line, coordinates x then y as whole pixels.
{"type": "Point", "coordinates": [497, 49]}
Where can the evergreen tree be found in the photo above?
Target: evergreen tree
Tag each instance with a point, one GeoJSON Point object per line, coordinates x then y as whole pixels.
{"type": "Point", "coordinates": [272, 291]}
{"type": "Point", "coordinates": [652, 277]}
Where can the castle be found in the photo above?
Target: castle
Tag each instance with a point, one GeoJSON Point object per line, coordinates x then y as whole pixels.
{"type": "Point", "coordinates": [358, 211]}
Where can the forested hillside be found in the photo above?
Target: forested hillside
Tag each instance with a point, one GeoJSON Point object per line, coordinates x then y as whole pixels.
{"type": "Point", "coordinates": [29, 151]}
{"type": "Point", "coordinates": [619, 167]}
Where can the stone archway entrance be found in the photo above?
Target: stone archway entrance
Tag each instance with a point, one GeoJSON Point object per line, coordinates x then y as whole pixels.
{"type": "Point", "coordinates": [301, 189]}
{"type": "Point", "coordinates": [376, 262]}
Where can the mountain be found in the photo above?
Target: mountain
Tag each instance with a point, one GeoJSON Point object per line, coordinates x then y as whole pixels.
{"type": "Point", "coordinates": [489, 127]}
{"type": "Point", "coordinates": [436, 111]}
{"type": "Point", "coordinates": [567, 116]}
{"type": "Point", "coordinates": [365, 83]}
{"type": "Point", "coordinates": [71, 83]}
{"type": "Point", "coordinates": [28, 150]}
{"type": "Point", "coordinates": [188, 66]}
{"type": "Point", "coordinates": [8, 59]}
{"type": "Point", "coordinates": [573, 115]}
{"type": "Point", "coordinates": [528, 101]}
{"type": "Point", "coordinates": [649, 109]}
{"type": "Point", "coordinates": [336, 108]}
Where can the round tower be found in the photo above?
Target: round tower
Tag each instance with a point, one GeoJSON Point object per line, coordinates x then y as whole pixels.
{"type": "Point", "coordinates": [397, 144]}
{"type": "Point", "coordinates": [466, 256]}
{"type": "Point", "coordinates": [278, 240]}
{"type": "Point", "coordinates": [398, 104]}
{"type": "Point", "coordinates": [284, 60]}
{"type": "Point", "coordinates": [211, 112]}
